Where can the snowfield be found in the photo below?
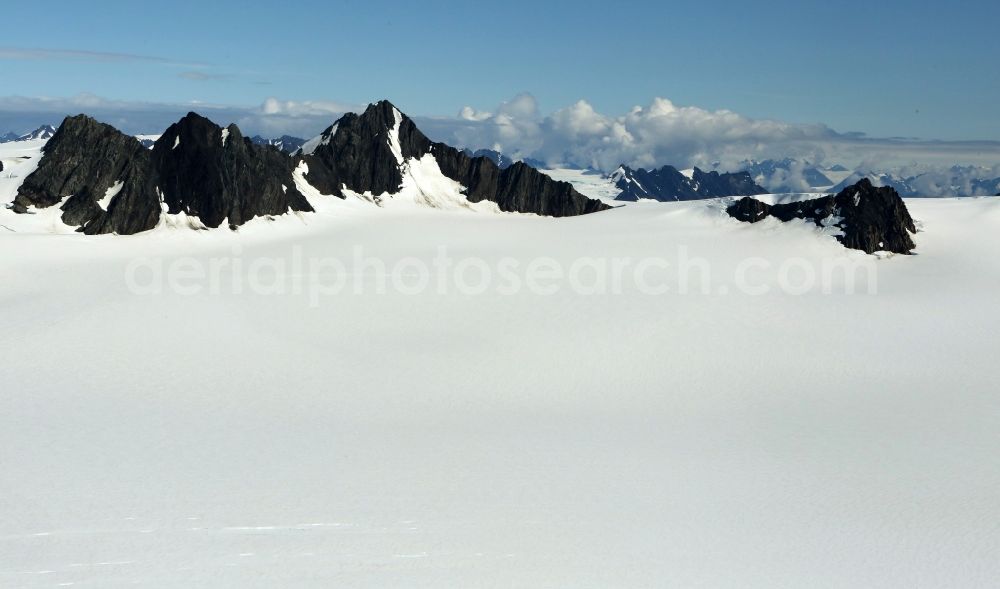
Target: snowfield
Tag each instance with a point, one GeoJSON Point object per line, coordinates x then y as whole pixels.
{"type": "Point", "coordinates": [230, 436]}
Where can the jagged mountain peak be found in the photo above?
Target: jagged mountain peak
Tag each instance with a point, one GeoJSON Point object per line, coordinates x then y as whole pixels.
{"type": "Point", "coordinates": [105, 181]}
{"type": "Point", "coordinates": [42, 132]}
{"type": "Point", "coordinates": [203, 175]}
{"type": "Point", "coordinates": [79, 130]}
{"type": "Point", "coordinates": [381, 152]}
{"type": "Point", "coordinates": [77, 124]}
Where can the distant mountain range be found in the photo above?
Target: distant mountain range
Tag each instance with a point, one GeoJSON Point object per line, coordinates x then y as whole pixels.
{"type": "Point", "coordinates": [43, 132]}
{"type": "Point", "coordinates": [956, 182]}
{"type": "Point", "coordinates": [285, 143]}
{"type": "Point", "coordinates": [668, 183]}
{"type": "Point", "coordinates": [797, 176]}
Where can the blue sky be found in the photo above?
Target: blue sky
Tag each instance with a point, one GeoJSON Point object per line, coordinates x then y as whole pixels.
{"type": "Point", "coordinates": [888, 68]}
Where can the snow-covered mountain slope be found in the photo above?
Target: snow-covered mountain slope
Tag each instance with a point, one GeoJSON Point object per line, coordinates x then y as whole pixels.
{"type": "Point", "coordinates": [229, 438]}
{"type": "Point", "coordinates": [373, 153]}
{"type": "Point", "coordinates": [41, 133]}
{"type": "Point", "coordinates": [17, 161]}
{"type": "Point", "coordinates": [591, 183]}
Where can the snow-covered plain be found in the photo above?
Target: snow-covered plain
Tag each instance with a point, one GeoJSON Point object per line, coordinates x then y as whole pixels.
{"type": "Point", "coordinates": [227, 439]}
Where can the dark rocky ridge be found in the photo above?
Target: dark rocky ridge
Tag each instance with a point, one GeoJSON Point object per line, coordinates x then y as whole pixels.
{"type": "Point", "coordinates": [871, 219]}
{"type": "Point", "coordinates": [356, 153]}
{"type": "Point", "coordinates": [80, 163]}
{"type": "Point", "coordinates": [190, 169]}
{"type": "Point", "coordinates": [109, 182]}
{"type": "Point", "coordinates": [220, 176]}
{"type": "Point", "coordinates": [669, 184]}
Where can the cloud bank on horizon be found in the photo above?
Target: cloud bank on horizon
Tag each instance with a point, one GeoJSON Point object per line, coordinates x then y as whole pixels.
{"type": "Point", "coordinates": [648, 136]}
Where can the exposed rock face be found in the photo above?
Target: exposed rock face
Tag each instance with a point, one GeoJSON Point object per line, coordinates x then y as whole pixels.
{"type": "Point", "coordinates": [220, 176]}
{"type": "Point", "coordinates": [366, 153]}
{"type": "Point", "coordinates": [108, 182]}
{"type": "Point", "coordinates": [669, 184]}
{"type": "Point", "coordinates": [519, 188]}
{"type": "Point", "coordinates": [749, 209]}
{"type": "Point", "coordinates": [355, 152]}
{"type": "Point", "coordinates": [100, 173]}
{"type": "Point", "coordinates": [871, 219]}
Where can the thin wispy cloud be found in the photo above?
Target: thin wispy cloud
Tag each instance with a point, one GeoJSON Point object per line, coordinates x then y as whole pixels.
{"type": "Point", "coordinates": [51, 54]}
{"type": "Point", "coordinates": [198, 76]}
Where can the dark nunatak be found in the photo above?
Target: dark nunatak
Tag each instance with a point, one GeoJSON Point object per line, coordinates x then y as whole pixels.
{"type": "Point", "coordinates": [871, 219]}
{"type": "Point", "coordinates": [108, 182]}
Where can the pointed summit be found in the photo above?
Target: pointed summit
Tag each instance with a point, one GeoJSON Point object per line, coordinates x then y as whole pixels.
{"type": "Point", "coordinates": [373, 152]}
{"type": "Point", "coordinates": [215, 174]}
{"type": "Point", "coordinates": [96, 174]}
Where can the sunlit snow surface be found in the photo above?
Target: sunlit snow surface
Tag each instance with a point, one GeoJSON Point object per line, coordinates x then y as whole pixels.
{"type": "Point", "coordinates": [440, 440]}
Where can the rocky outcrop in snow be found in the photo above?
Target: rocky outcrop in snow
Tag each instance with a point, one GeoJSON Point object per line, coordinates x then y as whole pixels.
{"type": "Point", "coordinates": [871, 219]}
{"type": "Point", "coordinates": [106, 182]}
{"type": "Point", "coordinates": [220, 176]}
{"type": "Point", "coordinates": [80, 164]}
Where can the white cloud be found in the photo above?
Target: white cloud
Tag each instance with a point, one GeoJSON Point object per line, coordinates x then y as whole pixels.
{"type": "Point", "coordinates": [665, 133]}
